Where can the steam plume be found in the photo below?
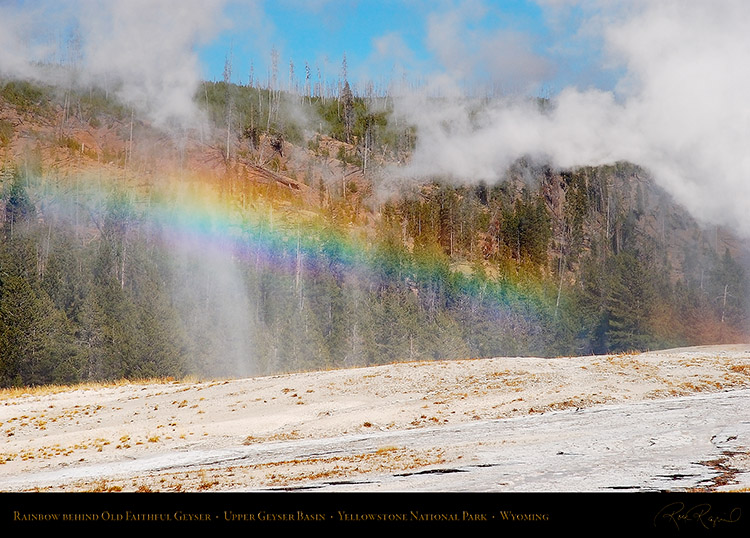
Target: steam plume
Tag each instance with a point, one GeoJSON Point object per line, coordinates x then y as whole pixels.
{"type": "Point", "coordinates": [680, 109]}
{"type": "Point", "coordinates": [141, 50]}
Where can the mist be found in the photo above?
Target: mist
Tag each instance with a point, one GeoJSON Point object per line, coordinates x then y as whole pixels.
{"type": "Point", "coordinates": [677, 106]}
{"type": "Point", "coordinates": [678, 109]}
{"type": "Point", "coordinates": [141, 51]}
{"type": "Point", "coordinates": [208, 290]}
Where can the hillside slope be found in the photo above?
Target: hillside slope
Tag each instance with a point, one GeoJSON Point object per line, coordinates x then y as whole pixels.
{"type": "Point", "coordinates": [250, 247]}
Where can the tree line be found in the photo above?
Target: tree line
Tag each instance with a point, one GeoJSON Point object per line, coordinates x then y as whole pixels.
{"type": "Point", "coordinates": [92, 289]}
{"type": "Point", "coordinates": [95, 287]}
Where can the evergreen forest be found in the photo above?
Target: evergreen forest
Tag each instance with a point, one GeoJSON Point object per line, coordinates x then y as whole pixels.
{"type": "Point", "coordinates": [268, 241]}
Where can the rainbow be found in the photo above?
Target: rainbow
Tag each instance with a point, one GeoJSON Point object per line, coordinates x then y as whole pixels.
{"type": "Point", "coordinates": [230, 234]}
{"type": "Point", "coordinates": [276, 234]}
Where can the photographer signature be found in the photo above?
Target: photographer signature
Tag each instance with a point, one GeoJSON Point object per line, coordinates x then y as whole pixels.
{"type": "Point", "coordinates": [700, 514]}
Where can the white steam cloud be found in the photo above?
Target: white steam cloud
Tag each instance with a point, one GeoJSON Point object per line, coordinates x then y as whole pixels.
{"type": "Point", "coordinates": [680, 110]}
{"type": "Point", "coordinates": [141, 50]}
{"type": "Point", "coordinates": [474, 55]}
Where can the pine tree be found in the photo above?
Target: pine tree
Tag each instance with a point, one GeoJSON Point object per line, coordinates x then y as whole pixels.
{"type": "Point", "coordinates": [347, 103]}
{"type": "Point", "coordinates": [19, 210]}
{"type": "Point", "coordinates": [630, 304]}
{"type": "Point", "coordinates": [36, 343]}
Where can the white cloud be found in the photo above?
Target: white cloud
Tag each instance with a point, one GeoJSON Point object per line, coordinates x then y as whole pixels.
{"type": "Point", "coordinates": [144, 50]}
{"type": "Point", "coordinates": [680, 110]}
{"type": "Point", "coordinates": [474, 55]}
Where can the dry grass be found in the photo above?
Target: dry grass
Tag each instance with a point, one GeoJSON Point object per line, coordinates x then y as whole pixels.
{"type": "Point", "coordinates": [284, 474]}
{"type": "Point", "coordinates": [45, 390]}
{"type": "Point", "coordinates": [205, 482]}
{"type": "Point", "coordinates": [103, 487]}
{"type": "Point", "coordinates": [401, 397]}
{"type": "Point", "coordinates": [286, 436]}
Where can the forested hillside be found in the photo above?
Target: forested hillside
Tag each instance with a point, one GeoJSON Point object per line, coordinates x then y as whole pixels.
{"type": "Point", "coordinates": [266, 239]}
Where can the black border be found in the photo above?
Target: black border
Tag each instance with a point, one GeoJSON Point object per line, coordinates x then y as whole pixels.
{"type": "Point", "coordinates": [670, 514]}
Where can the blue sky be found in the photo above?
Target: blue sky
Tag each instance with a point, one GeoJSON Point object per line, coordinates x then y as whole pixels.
{"type": "Point", "coordinates": [661, 83]}
{"type": "Point", "coordinates": [517, 44]}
